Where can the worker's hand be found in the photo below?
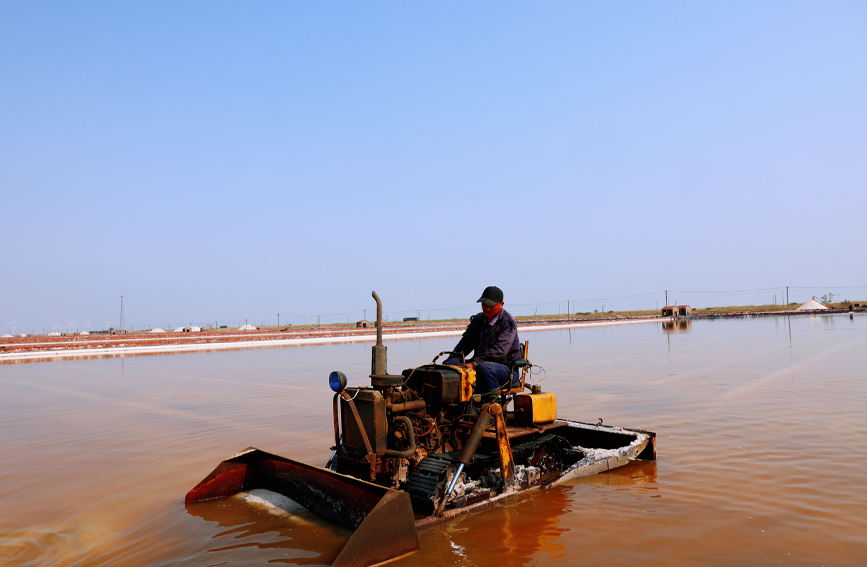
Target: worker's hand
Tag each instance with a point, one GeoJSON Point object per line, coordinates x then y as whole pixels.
{"type": "Point", "coordinates": [471, 365]}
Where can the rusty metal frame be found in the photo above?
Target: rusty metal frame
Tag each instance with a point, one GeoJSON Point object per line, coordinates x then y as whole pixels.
{"type": "Point", "coordinates": [371, 456]}
{"type": "Point", "coordinates": [336, 424]}
{"type": "Point", "coordinates": [507, 461]}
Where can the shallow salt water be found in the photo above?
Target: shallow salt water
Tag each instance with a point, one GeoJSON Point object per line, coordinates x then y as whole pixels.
{"type": "Point", "coordinates": [761, 426]}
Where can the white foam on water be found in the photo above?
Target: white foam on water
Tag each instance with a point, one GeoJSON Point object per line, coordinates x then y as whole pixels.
{"type": "Point", "coordinates": [276, 504]}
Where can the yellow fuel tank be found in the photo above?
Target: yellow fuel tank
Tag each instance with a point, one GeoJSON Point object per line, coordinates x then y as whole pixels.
{"type": "Point", "coordinates": [531, 409]}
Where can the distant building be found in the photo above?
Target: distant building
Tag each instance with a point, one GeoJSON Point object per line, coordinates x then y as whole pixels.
{"type": "Point", "coordinates": [677, 311]}
{"type": "Point", "coordinates": [362, 324]}
{"type": "Point", "coordinates": [405, 319]}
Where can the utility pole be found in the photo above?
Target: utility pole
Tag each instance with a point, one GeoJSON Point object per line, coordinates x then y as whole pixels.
{"type": "Point", "coordinates": [666, 298]}
{"type": "Point", "coordinates": [787, 297]}
{"type": "Point", "coordinates": [120, 327]}
{"type": "Point", "coordinates": [278, 319]}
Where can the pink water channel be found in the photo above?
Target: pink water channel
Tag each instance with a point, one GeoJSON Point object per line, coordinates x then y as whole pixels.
{"type": "Point", "coordinates": [761, 427]}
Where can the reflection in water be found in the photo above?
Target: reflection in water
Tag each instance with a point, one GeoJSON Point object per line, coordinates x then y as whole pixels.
{"type": "Point", "coordinates": [677, 325]}
{"type": "Point", "coordinates": [639, 475]}
{"type": "Point", "coordinates": [528, 532]}
{"type": "Point", "coordinates": [526, 527]}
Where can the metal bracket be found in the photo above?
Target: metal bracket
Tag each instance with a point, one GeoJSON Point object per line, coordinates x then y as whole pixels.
{"type": "Point", "coordinates": [371, 456]}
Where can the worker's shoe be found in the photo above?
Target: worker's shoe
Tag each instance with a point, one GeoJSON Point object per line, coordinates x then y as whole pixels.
{"type": "Point", "coordinates": [481, 399]}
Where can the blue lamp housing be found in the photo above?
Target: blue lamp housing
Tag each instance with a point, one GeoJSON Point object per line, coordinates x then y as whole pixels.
{"type": "Point", "coordinates": [337, 381]}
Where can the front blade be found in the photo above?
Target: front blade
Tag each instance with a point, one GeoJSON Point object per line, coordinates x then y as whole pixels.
{"type": "Point", "coordinates": [383, 518]}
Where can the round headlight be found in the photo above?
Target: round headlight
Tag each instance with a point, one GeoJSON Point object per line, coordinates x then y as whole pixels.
{"type": "Point", "coordinates": [337, 381]}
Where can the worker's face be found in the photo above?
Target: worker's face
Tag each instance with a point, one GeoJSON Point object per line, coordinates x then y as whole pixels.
{"type": "Point", "coordinates": [491, 312]}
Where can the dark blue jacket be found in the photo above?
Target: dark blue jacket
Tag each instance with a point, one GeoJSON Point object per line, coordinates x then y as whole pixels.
{"type": "Point", "coordinates": [491, 344]}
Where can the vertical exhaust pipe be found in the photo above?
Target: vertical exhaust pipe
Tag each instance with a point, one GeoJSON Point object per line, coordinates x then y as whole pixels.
{"type": "Point", "coordinates": [378, 362]}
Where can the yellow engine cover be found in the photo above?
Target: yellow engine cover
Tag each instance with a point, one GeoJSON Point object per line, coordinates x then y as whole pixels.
{"type": "Point", "coordinates": [468, 383]}
{"type": "Point", "coordinates": [531, 409]}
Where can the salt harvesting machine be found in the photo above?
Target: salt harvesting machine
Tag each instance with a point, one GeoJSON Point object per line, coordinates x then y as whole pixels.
{"type": "Point", "coordinates": [415, 449]}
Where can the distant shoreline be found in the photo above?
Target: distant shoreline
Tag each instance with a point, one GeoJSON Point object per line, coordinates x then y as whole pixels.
{"type": "Point", "coordinates": [101, 346]}
{"type": "Point", "coordinates": [37, 348]}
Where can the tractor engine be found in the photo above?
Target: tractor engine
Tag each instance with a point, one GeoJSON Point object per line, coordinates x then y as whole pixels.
{"type": "Point", "coordinates": [420, 432]}
{"type": "Point", "coordinates": [404, 418]}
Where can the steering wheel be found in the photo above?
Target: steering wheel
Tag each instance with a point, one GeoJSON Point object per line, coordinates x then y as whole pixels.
{"type": "Point", "coordinates": [463, 359]}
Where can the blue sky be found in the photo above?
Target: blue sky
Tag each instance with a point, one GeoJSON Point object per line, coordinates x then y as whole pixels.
{"type": "Point", "coordinates": [225, 161]}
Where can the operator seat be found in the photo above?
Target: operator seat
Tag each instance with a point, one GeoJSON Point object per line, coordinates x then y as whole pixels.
{"type": "Point", "coordinates": [523, 364]}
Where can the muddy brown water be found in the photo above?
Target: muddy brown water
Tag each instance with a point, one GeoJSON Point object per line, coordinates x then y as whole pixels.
{"type": "Point", "coordinates": [761, 432]}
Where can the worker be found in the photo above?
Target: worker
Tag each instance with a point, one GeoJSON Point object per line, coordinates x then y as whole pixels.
{"type": "Point", "coordinates": [492, 336]}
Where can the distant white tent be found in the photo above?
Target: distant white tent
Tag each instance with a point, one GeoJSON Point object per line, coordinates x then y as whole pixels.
{"type": "Point", "coordinates": [22, 335]}
{"type": "Point", "coordinates": [812, 305]}
{"type": "Point", "coordinates": [54, 334]}
{"type": "Point", "coordinates": [247, 327]}
{"type": "Point", "coordinates": [157, 330]}
{"type": "Point", "coordinates": [84, 333]}
{"type": "Point", "coordinates": [179, 330]}
{"type": "Point", "coordinates": [5, 336]}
